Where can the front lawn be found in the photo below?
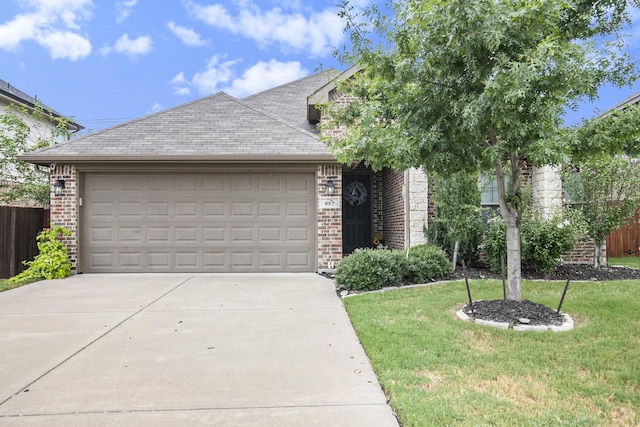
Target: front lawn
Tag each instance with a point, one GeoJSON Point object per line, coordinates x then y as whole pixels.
{"type": "Point", "coordinates": [437, 370]}
{"type": "Point", "coordinates": [633, 262]}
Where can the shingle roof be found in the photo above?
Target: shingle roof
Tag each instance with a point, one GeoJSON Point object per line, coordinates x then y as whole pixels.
{"type": "Point", "coordinates": [14, 94]}
{"type": "Point", "coordinates": [289, 101]}
{"type": "Point", "coordinates": [268, 126]}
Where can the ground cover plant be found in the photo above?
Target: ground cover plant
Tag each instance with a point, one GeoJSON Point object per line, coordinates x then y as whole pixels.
{"type": "Point", "coordinates": [438, 370]}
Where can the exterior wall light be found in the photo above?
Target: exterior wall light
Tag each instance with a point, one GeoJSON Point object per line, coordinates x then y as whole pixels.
{"type": "Point", "coordinates": [330, 188]}
{"type": "Point", "coordinates": [58, 186]}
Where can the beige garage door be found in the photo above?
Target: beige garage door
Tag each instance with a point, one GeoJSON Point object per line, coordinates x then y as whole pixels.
{"type": "Point", "coordinates": [198, 222]}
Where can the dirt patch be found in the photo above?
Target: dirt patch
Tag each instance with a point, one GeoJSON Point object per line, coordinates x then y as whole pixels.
{"type": "Point", "coordinates": [574, 272]}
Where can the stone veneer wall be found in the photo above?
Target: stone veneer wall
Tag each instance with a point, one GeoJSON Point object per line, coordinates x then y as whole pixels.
{"type": "Point", "coordinates": [418, 206]}
{"type": "Point", "coordinates": [329, 220]}
{"type": "Point", "coordinates": [393, 208]}
{"type": "Point", "coordinates": [546, 190]}
{"type": "Point", "coordinates": [64, 209]}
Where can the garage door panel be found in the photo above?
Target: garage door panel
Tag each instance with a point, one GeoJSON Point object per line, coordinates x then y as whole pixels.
{"type": "Point", "coordinates": [198, 222]}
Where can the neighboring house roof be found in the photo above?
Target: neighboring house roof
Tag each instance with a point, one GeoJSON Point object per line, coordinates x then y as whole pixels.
{"type": "Point", "coordinates": [13, 95]}
{"type": "Point", "coordinates": [634, 99]}
{"type": "Point", "coordinates": [218, 128]}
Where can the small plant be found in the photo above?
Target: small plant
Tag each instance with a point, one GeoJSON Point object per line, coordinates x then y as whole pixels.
{"type": "Point", "coordinates": [51, 263]}
{"type": "Point", "coordinates": [427, 262]}
{"type": "Point", "coordinates": [371, 269]}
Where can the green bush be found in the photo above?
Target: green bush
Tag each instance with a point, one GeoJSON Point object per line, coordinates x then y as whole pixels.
{"type": "Point", "coordinates": [371, 269]}
{"type": "Point", "coordinates": [51, 263]}
{"type": "Point", "coordinates": [543, 242]}
{"type": "Point", "coordinates": [438, 235]}
{"type": "Point", "coordinates": [427, 262]}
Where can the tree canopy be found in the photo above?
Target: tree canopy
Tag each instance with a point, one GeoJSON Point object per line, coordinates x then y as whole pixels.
{"type": "Point", "coordinates": [477, 85]}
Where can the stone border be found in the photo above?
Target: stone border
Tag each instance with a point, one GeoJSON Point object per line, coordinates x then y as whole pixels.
{"type": "Point", "coordinates": [567, 325]}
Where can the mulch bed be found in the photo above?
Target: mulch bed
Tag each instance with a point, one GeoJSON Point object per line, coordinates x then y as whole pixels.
{"type": "Point", "coordinates": [514, 312]}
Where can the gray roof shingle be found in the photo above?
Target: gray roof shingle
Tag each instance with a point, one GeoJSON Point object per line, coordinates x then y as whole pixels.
{"type": "Point", "coordinates": [269, 126]}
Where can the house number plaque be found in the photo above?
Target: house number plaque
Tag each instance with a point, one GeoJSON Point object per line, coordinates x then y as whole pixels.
{"type": "Point", "coordinates": [329, 202]}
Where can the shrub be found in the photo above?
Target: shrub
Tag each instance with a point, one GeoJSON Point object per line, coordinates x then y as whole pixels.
{"type": "Point", "coordinates": [51, 263]}
{"type": "Point", "coordinates": [427, 262]}
{"type": "Point", "coordinates": [543, 242]}
{"type": "Point", "coordinates": [495, 242]}
{"type": "Point", "coordinates": [438, 235]}
{"type": "Point", "coordinates": [371, 269]}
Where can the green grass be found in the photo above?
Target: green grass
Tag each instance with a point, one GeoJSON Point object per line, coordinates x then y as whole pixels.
{"type": "Point", "coordinates": [440, 371]}
{"type": "Point", "coordinates": [633, 262]}
{"type": "Point", "coordinates": [4, 286]}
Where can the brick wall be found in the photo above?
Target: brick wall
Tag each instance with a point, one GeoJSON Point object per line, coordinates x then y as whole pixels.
{"type": "Point", "coordinates": [329, 220]}
{"type": "Point", "coordinates": [393, 208]}
{"type": "Point", "coordinates": [64, 208]}
{"type": "Point", "coordinates": [377, 209]}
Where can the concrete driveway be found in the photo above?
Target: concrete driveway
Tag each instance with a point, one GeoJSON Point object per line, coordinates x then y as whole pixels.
{"type": "Point", "coordinates": [179, 349]}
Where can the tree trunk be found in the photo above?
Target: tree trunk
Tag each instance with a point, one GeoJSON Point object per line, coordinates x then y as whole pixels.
{"type": "Point", "coordinates": [514, 267]}
{"type": "Point", "coordinates": [597, 256]}
{"type": "Point", "coordinates": [456, 248]}
{"type": "Point", "coordinates": [510, 212]}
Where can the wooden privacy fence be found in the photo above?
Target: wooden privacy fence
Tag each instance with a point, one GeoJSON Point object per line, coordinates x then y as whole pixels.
{"type": "Point", "coordinates": [625, 241]}
{"type": "Point", "coordinates": [18, 230]}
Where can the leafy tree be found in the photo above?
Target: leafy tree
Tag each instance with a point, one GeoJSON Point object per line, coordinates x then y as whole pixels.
{"type": "Point", "coordinates": [607, 191]}
{"type": "Point", "coordinates": [475, 85]}
{"type": "Point", "coordinates": [457, 202]}
{"type": "Point", "coordinates": [22, 132]}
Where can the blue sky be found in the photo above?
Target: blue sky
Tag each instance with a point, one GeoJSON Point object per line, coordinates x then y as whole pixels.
{"type": "Point", "coordinates": [104, 62]}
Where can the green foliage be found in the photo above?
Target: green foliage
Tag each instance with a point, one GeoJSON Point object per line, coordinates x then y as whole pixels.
{"type": "Point", "coordinates": [476, 86]}
{"type": "Point", "coordinates": [23, 132]}
{"type": "Point", "coordinates": [606, 189]}
{"type": "Point", "coordinates": [426, 262]}
{"type": "Point", "coordinates": [544, 241]}
{"type": "Point", "coordinates": [457, 202]}
{"type": "Point", "coordinates": [51, 263]}
{"type": "Point", "coordinates": [372, 269]}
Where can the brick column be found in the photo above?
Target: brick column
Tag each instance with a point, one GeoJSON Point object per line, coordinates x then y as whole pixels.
{"type": "Point", "coordinates": [329, 219]}
{"type": "Point", "coordinates": [64, 208]}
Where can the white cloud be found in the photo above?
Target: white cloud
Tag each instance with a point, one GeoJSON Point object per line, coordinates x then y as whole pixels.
{"type": "Point", "coordinates": [132, 48]}
{"type": "Point", "coordinates": [155, 108]}
{"type": "Point", "coordinates": [219, 76]}
{"type": "Point", "coordinates": [315, 33]}
{"type": "Point", "coordinates": [124, 9]}
{"type": "Point", "coordinates": [265, 75]}
{"type": "Point", "coordinates": [66, 45]}
{"type": "Point", "coordinates": [53, 24]}
{"type": "Point", "coordinates": [186, 35]}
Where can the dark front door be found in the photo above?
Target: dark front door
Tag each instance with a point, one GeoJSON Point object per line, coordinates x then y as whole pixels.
{"type": "Point", "coordinates": [356, 212]}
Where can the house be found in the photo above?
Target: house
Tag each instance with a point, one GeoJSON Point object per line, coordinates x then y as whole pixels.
{"type": "Point", "coordinates": [41, 125]}
{"type": "Point", "coordinates": [227, 185]}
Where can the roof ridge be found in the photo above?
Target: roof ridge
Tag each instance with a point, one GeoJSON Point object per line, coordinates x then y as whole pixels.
{"type": "Point", "coordinates": [328, 70]}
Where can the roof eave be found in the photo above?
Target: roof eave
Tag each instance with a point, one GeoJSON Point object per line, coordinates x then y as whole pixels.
{"type": "Point", "coordinates": [124, 159]}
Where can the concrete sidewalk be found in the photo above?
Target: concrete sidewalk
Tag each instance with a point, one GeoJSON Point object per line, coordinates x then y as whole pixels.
{"type": "Point", "coordinates": [144, 349]}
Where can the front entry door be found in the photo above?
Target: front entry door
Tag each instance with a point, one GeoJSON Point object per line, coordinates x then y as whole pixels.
{"type": "Point", "coordinates": [356, 212]}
